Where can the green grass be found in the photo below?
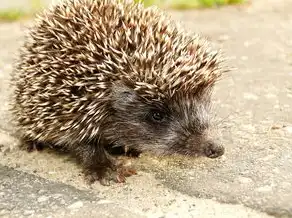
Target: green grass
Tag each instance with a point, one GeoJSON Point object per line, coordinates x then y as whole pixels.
{"type": "Point", "coordinates": [188, 4]}
{"type": "Point", "coordinates": [14, 14]}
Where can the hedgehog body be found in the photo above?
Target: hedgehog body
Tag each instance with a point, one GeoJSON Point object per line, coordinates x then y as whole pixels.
{"type": "Point", "coordinates": [98, 74]}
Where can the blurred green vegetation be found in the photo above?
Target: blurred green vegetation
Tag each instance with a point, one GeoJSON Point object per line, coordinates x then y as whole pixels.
{"type": "Point", "coordinates": [13, 14]}
{"type": "Point", "coordinates": [188, 4]}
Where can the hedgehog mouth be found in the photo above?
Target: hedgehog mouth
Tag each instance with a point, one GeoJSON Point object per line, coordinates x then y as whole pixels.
{"type": "Point", "coordinates": [209, 149]}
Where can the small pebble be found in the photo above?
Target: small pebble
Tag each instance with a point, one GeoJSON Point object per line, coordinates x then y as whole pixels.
{"type": "Point", "coordinates": [288, 129]}
{"type": "Point", "coordinates": [244, 180]}
{"type": "Point", "coordinates": [249, 128]}
{"type": "Point", "coordinates": [2, 212]}
{"type": "Point", "coordinates": [76, 205]}
{"type": "Point", "coordinates": [266, 188]}
{"type": "Point", "coordinates": [43, 198]}
{"type": "Point", "coordinates": [104, 202]}
{"type": "Point", "coordinates": [277, 126]}
{"type": "Point", "coordinates": [41, 191]}
{"type": "Point", "coordinates": [268, 157]}
{"type": "Point", "coordinates": [28, 212]}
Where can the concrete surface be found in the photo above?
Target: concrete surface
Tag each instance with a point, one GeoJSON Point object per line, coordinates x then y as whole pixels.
{"type": "Point", "coordinates": [253, 109]}
{"type": "Point", "coordinates": [23, 194]}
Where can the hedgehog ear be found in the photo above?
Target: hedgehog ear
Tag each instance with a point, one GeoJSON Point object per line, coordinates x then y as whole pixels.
{"type": "Point", "coordinates": [122, 95]}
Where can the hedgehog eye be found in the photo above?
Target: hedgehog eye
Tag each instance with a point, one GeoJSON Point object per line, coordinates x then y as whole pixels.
{"type": "Point", "coordinates": [157, 116]}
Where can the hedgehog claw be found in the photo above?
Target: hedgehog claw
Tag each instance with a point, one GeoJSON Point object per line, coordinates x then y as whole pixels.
{"type": "Point", "coordinates": [123, 172]}
{"type": "Point", "coordinates": [104, 182]}
{"type": "Point", "coordinates": [116, 173]}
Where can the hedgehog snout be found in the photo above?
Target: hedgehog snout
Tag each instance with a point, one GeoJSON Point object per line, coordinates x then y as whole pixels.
{"type": "Point", "coordinates": [213, 149]}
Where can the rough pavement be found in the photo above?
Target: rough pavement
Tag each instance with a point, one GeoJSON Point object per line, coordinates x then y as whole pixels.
{"type": "Point", "coordinates": [253, 106]}
{"type": "Point", "coordinates": [28, 195]}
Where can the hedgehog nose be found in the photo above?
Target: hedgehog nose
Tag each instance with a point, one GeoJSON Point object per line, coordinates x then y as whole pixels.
{"type": "Point", "coordinates": [213, 150]}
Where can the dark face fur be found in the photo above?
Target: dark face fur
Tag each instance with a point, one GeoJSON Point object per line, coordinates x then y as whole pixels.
{"type": "Point", "coordinates": [177, 125]}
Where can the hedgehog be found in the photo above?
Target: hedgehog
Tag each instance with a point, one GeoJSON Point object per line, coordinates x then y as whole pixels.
{"type": "Point", "coordinates": [95, 75]}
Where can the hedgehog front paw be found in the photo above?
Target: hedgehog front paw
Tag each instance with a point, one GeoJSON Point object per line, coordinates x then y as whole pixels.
{"type": "Point", "coordinates": [116, 173]}
{"type": "Point", "coordinates": [118, 176]}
